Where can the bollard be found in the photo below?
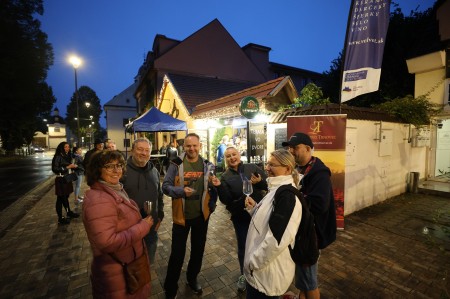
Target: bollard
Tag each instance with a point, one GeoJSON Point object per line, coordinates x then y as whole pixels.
{"type": "Point", "coordinates": [413, 182]}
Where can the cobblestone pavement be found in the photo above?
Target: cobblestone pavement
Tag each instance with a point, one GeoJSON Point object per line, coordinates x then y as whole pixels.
{"type": "Point", "coordinates": [382, 253]}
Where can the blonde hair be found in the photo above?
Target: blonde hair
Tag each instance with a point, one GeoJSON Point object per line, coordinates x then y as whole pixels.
{"type": "Point", "coordinates": [285, 158]}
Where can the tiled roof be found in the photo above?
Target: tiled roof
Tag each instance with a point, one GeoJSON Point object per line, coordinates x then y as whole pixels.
{"type": "Point", "coordinates": [195, 90]}
{"type": "Point", "coordinates": [259, 91]}
{"type": "Point", "coordinates": [352, 113]}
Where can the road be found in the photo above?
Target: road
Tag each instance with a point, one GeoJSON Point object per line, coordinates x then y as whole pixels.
{"type": "Point", "coordinates": [22, 175]}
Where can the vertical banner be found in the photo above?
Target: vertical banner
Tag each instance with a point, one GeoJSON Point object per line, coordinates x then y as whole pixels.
{"type": "Point", "coordinates": [256, 140]}
{"type": "Point", "coordinates": [327, 133]}
{"type": "Point", "coordinates": [364, 46]}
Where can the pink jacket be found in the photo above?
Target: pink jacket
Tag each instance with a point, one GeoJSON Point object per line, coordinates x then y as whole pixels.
{"type": "Point", "coordinates": [113, 225]}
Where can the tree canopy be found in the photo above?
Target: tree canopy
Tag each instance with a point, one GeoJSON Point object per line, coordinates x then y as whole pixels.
{"type": "Point", "coordinates": [89, 105]}
{"type": "Point", "coordinates": [25, 57]}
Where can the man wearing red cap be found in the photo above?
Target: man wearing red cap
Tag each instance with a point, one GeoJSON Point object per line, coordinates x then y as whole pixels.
{"type": "Point", "coordinates": [315, 184]}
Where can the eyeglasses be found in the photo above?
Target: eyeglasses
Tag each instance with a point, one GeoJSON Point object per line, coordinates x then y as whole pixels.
{"type": "Point", "coordinates": [272, 165]}
{"type": "Point", "coordinates": [111, 167]}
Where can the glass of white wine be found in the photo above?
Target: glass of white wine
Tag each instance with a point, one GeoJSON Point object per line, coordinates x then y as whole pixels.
{"type": "Point", "coordinates": [247, 188]}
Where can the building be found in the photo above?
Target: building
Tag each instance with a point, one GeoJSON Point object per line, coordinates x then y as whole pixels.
{"type": "Point", "coordinates": [119, 110]}
{"type": "Point", "coordinates": [56, 130]}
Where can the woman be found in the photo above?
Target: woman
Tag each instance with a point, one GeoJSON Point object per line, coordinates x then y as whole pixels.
{"type": "Point", "coordinates": [61, 165]}
{"type": "Point", "coordinates": [268, 266]}
{"type": "Point", "coordinates": [78, 160]}
{"type": "Point", "coordinates": [114, 226]}
{"type": "Point", "coordinates": [229, 188]}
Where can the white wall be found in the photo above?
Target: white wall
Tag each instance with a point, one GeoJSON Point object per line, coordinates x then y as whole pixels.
{"type": "Point", "coordinates": [369, 177]}
{"type": "Point", "coordinates": [114, 124]}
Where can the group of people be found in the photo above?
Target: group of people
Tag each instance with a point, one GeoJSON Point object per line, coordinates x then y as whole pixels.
{"type": "Point", "coordinates": [265, 222]}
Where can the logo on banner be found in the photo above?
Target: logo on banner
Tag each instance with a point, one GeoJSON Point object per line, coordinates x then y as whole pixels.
{"type": "Point", "coordinates": [249, 107]}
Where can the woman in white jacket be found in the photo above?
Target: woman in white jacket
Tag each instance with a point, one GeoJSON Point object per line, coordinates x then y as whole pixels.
{"type": "Point", "coordinates": [268, 266]}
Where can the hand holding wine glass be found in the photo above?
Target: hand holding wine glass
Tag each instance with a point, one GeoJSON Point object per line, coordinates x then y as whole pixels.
{"type": "Point", "coordinates": [247, 189]}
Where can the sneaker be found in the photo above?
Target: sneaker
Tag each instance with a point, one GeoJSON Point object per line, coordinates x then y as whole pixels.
{"type": "Point", "coordinates": [241, 283]}
{"type": "Point", "coordinates": [72, 214]}
{"type": "Point", "coordinates": [79, 200]}
{"type": "Point", "coordinates": [63, 221]}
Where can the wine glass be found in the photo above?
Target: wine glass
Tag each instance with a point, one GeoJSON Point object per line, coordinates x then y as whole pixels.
{"type": "Point", "coordinates": [247, 187]}
{"type": "Point", "coordinates": [148, 207]}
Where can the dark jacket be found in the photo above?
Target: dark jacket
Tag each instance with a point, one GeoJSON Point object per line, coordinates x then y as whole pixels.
{"type": "Point", "coordinates": [59, 164]}
{"type": "Point", "coordinates": [143, 184]}
{"type": "Point", "coordinates": [230, 189]}
{"type": "Point", "coordinates": [318, 191]}
{"type": "Point", "coordinates": [80, 165]}
{"type": "Point", "coordinates": [87, 157]}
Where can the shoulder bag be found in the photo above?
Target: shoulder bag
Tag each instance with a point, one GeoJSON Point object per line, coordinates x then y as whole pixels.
{"type": "Point", "coordinates": [136, 273]}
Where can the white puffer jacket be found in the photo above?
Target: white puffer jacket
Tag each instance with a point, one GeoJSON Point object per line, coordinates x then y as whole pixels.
{"type": "Point", "coordinates": [268, 266]}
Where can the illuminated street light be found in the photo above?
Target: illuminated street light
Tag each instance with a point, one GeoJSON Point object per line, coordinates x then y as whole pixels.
{"type": "Point", "coordinates": [76, 62]}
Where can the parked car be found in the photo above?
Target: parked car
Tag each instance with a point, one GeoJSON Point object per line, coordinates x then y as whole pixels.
{"type": "Point", "coordinates": [38, 149]}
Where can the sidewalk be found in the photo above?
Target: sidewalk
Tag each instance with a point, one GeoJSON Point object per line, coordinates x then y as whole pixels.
{"type": "Point", "coordinates": [382, 253]}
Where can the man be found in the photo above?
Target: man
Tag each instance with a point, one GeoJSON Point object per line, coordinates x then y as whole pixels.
{"type": "Point", "coordinates": [98, 146]}
{"type": "Point", "coordinates": [111, 145]}
{"type": "Point", "coordinates": [315, 184]}
{"type": "Point", "coordinates": [141, 182]}
{"type": "Point", "coordinates": [193, 200]}
{"type": "Point", "coordinates": [221, 149]}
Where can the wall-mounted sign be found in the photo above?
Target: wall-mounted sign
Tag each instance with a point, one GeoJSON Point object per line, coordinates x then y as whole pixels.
{"type": "Point", "coordinates": [249, 107]}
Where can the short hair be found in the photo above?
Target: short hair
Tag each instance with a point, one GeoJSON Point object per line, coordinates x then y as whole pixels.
{"type": "Point", "coordinates": [98, 160]}
{"type": "Point", "coordinates": [192, 135]}
{"type": "Point", "coordinates": [286, 159]}
{"type": "Point", "coordinates": [141, 139]}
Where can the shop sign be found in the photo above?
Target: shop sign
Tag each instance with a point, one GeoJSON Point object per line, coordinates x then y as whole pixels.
{"type": "Point", "coordinates": [249, 107]}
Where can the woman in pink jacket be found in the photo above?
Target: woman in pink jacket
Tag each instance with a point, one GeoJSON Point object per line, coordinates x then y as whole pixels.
{"type": "Point", "coordinates": [113, 225]}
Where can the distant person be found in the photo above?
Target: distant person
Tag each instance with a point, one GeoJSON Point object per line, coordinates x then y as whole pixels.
{"type": "Point", "coordinates": [171, 154]}
{"type": "Point", "coordinates": [229, 188]}
{"type": "Point", "coordinates": [114, 227]}
{"type": "Point", "coordinates": [98, 146]}
{"type": "Point", "coordinates": [61, 165]}
{"type": "Point", "coordinates": [141, 182]}
{"type": "Point", "coordinates": [221, 149]}
{"type": "Point", "coordinates": [180, 146]}
{"type": "Point", "coordinates": [187, 182]}
{"type": "Point", "coordinates": [163, 148]}
{"type": "Point", "coordinates": [318, 191]}
{"type": "Point", "coordinates": [111, 145]}
{"type": "Point", "coordinates": [78, 160]}
{"type": "Point", "coordinates": [268, 266]}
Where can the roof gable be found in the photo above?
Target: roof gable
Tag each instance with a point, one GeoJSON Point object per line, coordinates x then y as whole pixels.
{"type": "Point", "coordinates": [124, 99]}
{"type": "Point", "coordinates": [210, 51]}
{"type": "Point", "coordinates": [195, 90]}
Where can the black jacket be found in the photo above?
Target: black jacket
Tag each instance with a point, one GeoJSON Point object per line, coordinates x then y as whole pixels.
{"type": "Point", "coordinates": [230, 189]}
{"type": "Point", "coordinates": [318, 191]}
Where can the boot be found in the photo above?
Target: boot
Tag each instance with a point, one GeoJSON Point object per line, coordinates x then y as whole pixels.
{"type": "Point", "coordinates": [72, 214]}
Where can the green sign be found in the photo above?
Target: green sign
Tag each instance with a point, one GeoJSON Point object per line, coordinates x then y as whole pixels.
{"type": "Point", "coordinates": [249, 107]}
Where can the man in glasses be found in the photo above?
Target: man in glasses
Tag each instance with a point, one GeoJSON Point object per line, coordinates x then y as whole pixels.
{"type": "Point", "coordinates": [141, 182]}
{"type": "Point", "coordinates": [316, 186]}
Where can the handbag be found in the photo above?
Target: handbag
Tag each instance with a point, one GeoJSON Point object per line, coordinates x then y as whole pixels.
{"type": "Point", "coordinates": [62, 188]}
{"type": "Point", "coordinates": [71, 177]}
{"type": "Point", "coordinates": [136, 273]}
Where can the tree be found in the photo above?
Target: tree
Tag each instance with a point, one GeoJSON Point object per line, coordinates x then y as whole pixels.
{"type": "Point", "coordinates": [407, 37]}
{"type": "Point", "coordinates": [310, 95]}
{"type": "Point", "coordinates": [89, 114]}
{"type": "Point", "coordinates": [25, 57]}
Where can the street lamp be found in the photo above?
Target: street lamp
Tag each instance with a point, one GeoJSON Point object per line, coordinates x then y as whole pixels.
{"type": "Point", "coordinates": [76, 62]}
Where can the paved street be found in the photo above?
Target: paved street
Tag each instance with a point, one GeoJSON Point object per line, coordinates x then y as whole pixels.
{"type": "Point", "coordinates": [382, 253]}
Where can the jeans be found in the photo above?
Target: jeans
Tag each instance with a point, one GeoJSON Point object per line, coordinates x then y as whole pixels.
{"type": "Point", "coordinates": [78, 185]}
{"type": "Point", "coordinates": [241, 229]}
{"type": "Point", "coordinates": [151, 241]}
{"type": "Point", "coordinates": [199, 229]}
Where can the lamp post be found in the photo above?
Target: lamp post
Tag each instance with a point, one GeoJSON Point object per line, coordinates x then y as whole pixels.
{"type": "Point", "coordinates": [76, 62]}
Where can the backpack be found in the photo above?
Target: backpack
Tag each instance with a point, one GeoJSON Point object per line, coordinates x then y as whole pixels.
{"type": "Point", "coordinates": [306, 250]}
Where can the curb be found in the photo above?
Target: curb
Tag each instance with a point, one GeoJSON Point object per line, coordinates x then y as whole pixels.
{"type": "Point", "coordinates": [15, 212]}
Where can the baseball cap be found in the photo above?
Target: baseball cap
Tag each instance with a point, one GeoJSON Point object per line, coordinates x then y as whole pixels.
{"type": "Point", "coordinates": [299, 138]}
